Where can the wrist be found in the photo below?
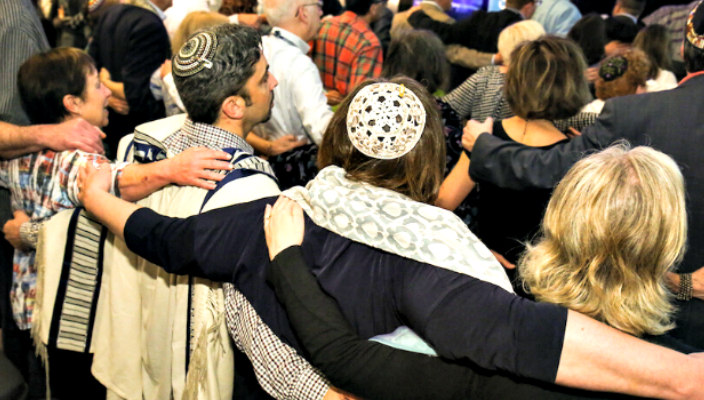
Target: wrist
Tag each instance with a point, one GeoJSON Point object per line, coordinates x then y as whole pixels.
{"type": "Point", "coordinates": [28, 234]}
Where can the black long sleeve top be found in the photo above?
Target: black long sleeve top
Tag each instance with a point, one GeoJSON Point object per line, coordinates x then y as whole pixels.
{"type": "Point", "coordinates": [376, 371]}
{"type": "Point", "coordinates": [463, 318]}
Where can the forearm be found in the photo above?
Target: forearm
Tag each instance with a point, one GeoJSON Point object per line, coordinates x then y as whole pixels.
{"type": "Point", "coordinates": [109, 210]}
{"type": "Point", "coordinates": [597, 357]}
{"type": "Point", "coordinates": [466, 57]}
{"type": "Point", "coordinates": [18, 140]}
{"type": "Point", "coordinates": [456, 186]}
{"type": "Point", "coordinates": [138, 181]}
{"type": "Point", "coordinates": [117, 88]}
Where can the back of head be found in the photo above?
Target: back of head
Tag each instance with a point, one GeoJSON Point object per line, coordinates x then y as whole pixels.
{"type": "Point", "coordinates": [417, 171]}
{"type": "Point", "coordinates": [193, 22]}
{"type": "Point", "coordinates": [213, 65]}
{"type": "Point", "coordinates": [517, 33]}
{"type": "Point", "coordinates": [545, 79]}
{"type": "Point", "coordinates": [420, 55]}
{"type": "Point", "coordinates": [277, 11]}
{"type": "Point", "coordinates": [621, 28]}
{"type": "Point", "coordinates": [633, 7]}
{"type": "Point", "coordinates": [615, 224]}
{"type": "Point", "coordinates": [654, 41]}
{"type": "Point", "coordinates": [590, 34]}
{"type": "Point", "coordinates": [359, 7]}
{"type": "Point", "coordinates": [694, 40]}
{"type": "Point", "coordinates": [621, 75]}
{"type": "Point", "coordinates": [45, 78]}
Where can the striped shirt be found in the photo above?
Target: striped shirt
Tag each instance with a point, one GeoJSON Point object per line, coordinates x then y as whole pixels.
{"type": "Point", "coordinates": [21, 36]}
{"type": "Point", "coordinates": [346, 52]}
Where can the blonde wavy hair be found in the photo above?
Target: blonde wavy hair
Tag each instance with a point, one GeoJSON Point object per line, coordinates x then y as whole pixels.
{"type": "Point", "coordinates": [614, 226]}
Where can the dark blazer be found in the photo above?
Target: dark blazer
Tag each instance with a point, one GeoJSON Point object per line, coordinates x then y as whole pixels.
{"type": "Point", "coordinates": [671, 121]}
{"type": "Point", "coordinates": [131, 43]}
{"type": "Point", "coordinates": [479, 31]}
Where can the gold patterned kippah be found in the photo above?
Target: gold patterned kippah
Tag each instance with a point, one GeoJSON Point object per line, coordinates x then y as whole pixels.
{"type": "Point", "coordinates": [695, 27]}
{"type": "Point", "coordinates": [385, 120]}
{"type": "Point", "coordinates": [195, 55]}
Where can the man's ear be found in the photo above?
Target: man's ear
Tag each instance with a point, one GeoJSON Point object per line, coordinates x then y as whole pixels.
{"type": "Point", "coordinates": [233, 107]}
{"type": "Point", "coordinates": [72, 103]}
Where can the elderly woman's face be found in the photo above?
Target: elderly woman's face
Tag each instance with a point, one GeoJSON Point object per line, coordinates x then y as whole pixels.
{"type": "Point", "coordinates": [94, 101]}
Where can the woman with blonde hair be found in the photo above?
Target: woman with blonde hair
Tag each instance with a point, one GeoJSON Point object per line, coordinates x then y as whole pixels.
{"type": "Point", "coordinates": [615, 225]}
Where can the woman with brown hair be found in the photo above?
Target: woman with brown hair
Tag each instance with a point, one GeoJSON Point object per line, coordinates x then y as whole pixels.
{"type": "Point", "coordinates": [654, 41]}
{"type": "Point", "coordinates": [391, 260]}
{"type": "Point", "coordinates": [555, 66]}
{"type": "Point", "coordinates": [620, 75]}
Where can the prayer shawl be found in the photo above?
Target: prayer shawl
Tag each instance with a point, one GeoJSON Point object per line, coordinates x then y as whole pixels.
{"type": "Point", "coordinates": [140, 338]}
{"type": "Point", "coordinates": [392, 222]}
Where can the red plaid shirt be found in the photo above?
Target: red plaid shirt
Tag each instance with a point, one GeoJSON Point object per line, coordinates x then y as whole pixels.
{"type": "Point", "coordinates": [346, 52]}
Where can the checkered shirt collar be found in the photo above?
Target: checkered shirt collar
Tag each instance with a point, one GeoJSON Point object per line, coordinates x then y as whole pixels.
{"type": "Point", "coordinates": [199, 134]}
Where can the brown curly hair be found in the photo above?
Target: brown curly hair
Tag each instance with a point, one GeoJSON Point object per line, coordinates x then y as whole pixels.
{"type": "Point", "coordinates": [636, 74]}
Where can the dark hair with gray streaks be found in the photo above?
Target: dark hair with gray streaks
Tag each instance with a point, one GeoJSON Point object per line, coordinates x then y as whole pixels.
{"type": "Point", "coordinates": [238, 50]}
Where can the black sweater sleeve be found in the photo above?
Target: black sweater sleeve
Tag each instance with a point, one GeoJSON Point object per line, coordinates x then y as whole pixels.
{"type": "Point", "coordinates": [375, 371]}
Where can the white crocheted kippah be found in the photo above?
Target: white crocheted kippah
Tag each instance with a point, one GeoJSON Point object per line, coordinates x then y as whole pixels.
{"type": "Point", "coordinates": [195, 55]}
{"type": "Point", "coordinates": [385, 120]}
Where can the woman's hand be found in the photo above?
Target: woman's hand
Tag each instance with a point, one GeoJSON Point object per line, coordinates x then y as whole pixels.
{"type": "Point", "coordinates": [93, 177]}
{"type": "Point", "coordinates": [283, 225]}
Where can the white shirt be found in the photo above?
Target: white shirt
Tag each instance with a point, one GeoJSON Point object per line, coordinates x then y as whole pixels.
{"type": "Point", "coordinates": [300, 106]}
{"type": "Point", "coordinates": [665, 80]}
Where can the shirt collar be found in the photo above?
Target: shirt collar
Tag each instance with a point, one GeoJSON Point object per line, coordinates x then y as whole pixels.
{"type": "Point", "coordinates": [291, 39]}
{"type": "Point", "coordinates": [200, 134]}
{"type": "Point", "coordinates": [432, 3]}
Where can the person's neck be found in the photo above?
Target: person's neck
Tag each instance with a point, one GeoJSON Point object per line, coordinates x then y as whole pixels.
{"type": "Point", "coordinates": [236, 127]}
{"type": "Point", "coordinates": [296, 28]}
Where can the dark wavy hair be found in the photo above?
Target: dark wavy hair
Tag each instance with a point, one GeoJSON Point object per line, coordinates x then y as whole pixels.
{"type": "Point", "coordinates": [419, 55]}
{"type": "Point", "coordinates": [45, 78]}
{"type": "Point", "coordinates": [237, 52]}
{"type": "Point", "coordinates": [418, 174]}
